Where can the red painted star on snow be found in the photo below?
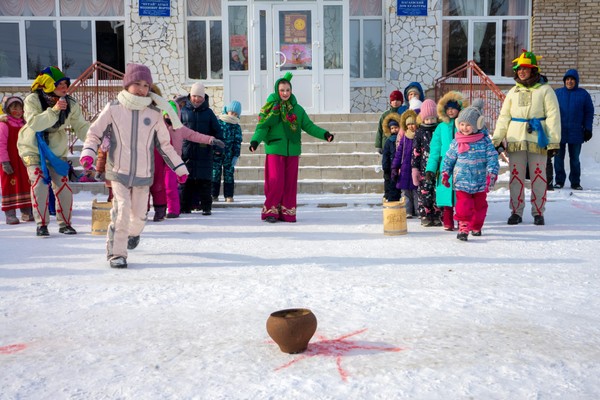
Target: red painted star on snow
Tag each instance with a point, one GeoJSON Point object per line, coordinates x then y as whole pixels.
{"type": "Point", "coordinates": [338, 348]}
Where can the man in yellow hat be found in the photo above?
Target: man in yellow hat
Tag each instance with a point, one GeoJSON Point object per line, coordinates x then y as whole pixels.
{"type": "Point", "coordinates": [43, 146]}
{"type": "Point", "coordinates": [529, 122]}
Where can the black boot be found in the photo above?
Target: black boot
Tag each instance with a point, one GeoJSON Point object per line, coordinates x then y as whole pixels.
{"type": "Point", "coordinates": [160, 213]}
{"type": "Point", "coordinates": [132, 242]}
{"type": "Point", "coordinates": [514, 219]}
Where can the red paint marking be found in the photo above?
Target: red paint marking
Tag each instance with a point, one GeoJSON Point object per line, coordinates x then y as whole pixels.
{"type": "Point", "coordinates": [12, 348]}
{"type": "Point", "coordinates": [586, 207]}
{"type": "Point", "coordinates": [338, 348]}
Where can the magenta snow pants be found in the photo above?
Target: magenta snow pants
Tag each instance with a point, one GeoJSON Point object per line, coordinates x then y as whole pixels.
{"type": "Point", "coordinates": [164, 189]}
{"type": "Point", "coordinates": [281, 187]}
{"type": "Point", "coordinates": [471, 208]}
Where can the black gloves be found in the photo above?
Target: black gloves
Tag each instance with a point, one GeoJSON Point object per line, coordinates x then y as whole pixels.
{"type": "Point", "coordinates": [253, 146]}
{"type": "Point", "coordinates": [587, 135]}
{"type": "Point", "coordinates": [552, 152]}
{"type": "Point", "coordinates": [429, 176]}
{"type": "Point", "coordinates": [500, 148]}
{"type": "Point", "coordinates": [380, 150]}
{"type": "Point", "coordinates": [217, 142]}
{"type": "Point", "coordinates": [328, 137]}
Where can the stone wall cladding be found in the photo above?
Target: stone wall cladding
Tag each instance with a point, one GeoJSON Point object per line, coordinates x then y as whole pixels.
{"type": "Point", "coordinates": [411, 54]}
{"type": "Point", "coordinates": [159, 43]}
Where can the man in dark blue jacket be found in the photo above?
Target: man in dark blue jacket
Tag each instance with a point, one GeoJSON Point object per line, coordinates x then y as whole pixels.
{"type": "Point", "coordinates": [576, 117]}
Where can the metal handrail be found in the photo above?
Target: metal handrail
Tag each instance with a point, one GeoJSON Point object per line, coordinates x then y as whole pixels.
{"type": "Point", "coordinates": [470, 80]}
{"type": "Point", "coordinates": [94, 88]}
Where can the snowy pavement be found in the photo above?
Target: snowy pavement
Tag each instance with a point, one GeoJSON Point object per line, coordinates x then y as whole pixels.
{"type": "Point", "coordinates": [514, 314]}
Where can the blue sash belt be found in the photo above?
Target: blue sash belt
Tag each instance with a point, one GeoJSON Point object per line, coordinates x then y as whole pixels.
{"type": "Point", "coordinates": [60, 166]}
{"type": "Point", "coordinates": [536, 125]}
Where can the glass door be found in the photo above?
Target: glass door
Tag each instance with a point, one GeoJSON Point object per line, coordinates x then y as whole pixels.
{"type": "Point", "coordinates": [288, 42]}
{"type": "Point", "coordinates": [294, 50]}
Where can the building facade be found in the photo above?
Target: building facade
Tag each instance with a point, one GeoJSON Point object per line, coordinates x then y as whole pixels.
{"type": "Point", "coordinates": [346, 55]}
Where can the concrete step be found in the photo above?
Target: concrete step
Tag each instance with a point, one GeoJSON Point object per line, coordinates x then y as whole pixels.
{"type": "Point", "coordinates": [256, 187]}
{"type": "Point", "coordinates": [349, 164]}
{"type": "Point", "coordinates": [366, 136]}
{"type": "Point", "coordinates": [352, 172]}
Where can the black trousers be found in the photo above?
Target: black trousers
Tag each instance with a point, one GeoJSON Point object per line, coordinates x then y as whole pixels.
{"type": "Point", "coordinates": [196, 195]}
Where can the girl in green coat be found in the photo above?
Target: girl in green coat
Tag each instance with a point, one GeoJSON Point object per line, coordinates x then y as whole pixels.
{"type": "Point", "coordinates": [280, 124]}
{"type": "Point", "coordinates": [448, 108]}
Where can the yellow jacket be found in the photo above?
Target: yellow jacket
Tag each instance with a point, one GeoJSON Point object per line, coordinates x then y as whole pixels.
{"type": "Point", "coordinates": [538, 101]}
{"type": "Point", "coordinates": [38, 120]}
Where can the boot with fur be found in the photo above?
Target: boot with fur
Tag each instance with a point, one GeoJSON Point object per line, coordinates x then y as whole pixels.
{"type": "Point", "coordinates": [27, 215]}
{"type": "Point", "coordinates": [11, 217]}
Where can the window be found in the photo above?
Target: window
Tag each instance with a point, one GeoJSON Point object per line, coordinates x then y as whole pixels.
{"type": "Point", "coordinates": [493, 34]}
{"type": "Point", "coordinates": [332, 44]}
{"type": "Point", "coordinates": [366, 39]}
{"type": "Point", "coordinates": [52, 36]}
{"type": "Point", "coordinates": [205, 43]}
{"type": "Point", "coordinates": [238, 38]}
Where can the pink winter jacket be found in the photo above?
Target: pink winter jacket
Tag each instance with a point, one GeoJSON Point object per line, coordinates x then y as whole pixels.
{"type": "Point", "coordinates": [178, 135]}
{"type": "Point", "coordinates": [133, 137]}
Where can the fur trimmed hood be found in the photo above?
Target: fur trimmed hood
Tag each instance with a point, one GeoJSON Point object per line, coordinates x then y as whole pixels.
{"type": "Point", "coordinates": [453, 95]}
{"type": "Point", "coordinates": [406, 115]}
{"type": "Point", "coordinates": [391, 116]}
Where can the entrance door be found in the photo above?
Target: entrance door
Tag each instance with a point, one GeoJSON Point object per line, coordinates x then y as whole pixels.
{"type": "Point", "coordinates": [287, 38]}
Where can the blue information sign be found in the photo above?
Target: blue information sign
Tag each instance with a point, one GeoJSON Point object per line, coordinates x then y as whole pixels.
{"type": "Point", "coordinates": [411, 8]}
{"type": "Point", "coordinates": [155, 8]}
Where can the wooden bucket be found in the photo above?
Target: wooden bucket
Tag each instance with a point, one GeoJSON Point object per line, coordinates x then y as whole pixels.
{"type": "Point", "coordinates": [394, 218]}
{"type": "Point", "coordinates": [100, 217]}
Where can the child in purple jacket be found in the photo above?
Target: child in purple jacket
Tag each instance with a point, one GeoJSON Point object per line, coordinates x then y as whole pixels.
{"type": "Point", "coordinates": [401, 166]}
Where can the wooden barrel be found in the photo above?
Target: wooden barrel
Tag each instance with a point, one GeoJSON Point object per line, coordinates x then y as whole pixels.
{"type": "Point", "coordinates": [100, 216]}
{"type": "Point", "coordinates": [394, 218]}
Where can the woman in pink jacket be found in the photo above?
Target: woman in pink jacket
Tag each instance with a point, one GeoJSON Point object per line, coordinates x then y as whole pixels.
{"type": "Point", "coordinates": [164, 189]}
{"type": "Point", "coordinates": [134, 128]}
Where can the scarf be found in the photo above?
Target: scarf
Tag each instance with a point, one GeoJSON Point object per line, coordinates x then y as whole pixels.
{"type": "Point", "coordinates": [533, 79]}
{"type": "Point", "coordinates": [133, 102]}
{"type": "Point", "coordinates": [464, 140]}
{"type": "Point", "coordinates": [49, 100]}
{"type": "Point", "coordinates": [230, 119]}
{"type": "Point", "coordinates": [276, 110]}
{"type": "Point", "coordinates": [47, 156]}
{"type": "Point", "coordinates": [410, 134]}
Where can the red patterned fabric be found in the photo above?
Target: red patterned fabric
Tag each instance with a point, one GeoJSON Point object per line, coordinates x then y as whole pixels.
{"type": "Point", "coordinates": [16, 191]}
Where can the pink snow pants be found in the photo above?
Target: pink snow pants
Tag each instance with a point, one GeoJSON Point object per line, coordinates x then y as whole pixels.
{"type": "Point", "coordinates": [471, 208]}
{"type": "Point", "coordinates": [281, 187]}
{"type": "Point", "coordinates": [164, 189]}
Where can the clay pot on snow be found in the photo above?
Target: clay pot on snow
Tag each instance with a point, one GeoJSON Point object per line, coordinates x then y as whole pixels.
{"type": "Point", "coordinates": [292, 329]}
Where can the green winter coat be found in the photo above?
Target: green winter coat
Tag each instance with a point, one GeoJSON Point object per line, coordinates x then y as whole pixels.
{"type": "Point", "coordinates": [280, 139]}
{"type": "Point", "coordinates": [440, 143]}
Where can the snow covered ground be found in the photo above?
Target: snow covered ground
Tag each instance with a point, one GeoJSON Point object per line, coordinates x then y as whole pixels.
{"type": "Point", "coordinates": [514, 314]}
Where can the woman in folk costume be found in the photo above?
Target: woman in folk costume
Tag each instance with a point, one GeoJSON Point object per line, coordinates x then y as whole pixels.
{"type": "Point", "coordinates": [16, 190]}
{"type": "Point", "coordinates": [44, 146]}
{"type": "Point", "coordinates": [280, 125]}
{"type": "Point", "coordinates": [530, 122]}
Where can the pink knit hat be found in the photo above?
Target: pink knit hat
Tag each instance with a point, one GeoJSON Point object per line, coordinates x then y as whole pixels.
{"type": "Point", "coordinates": [428, 110]}
{"type": "Point", "coordinates": [136, 72]}
{"type": "Point", "coordinates": [197, 89]}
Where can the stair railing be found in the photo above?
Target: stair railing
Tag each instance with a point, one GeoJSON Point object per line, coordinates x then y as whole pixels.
{"type": "Point", "coordinates": [94, 88]}
{"type": "Point", "coordinates": [472, 82]}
